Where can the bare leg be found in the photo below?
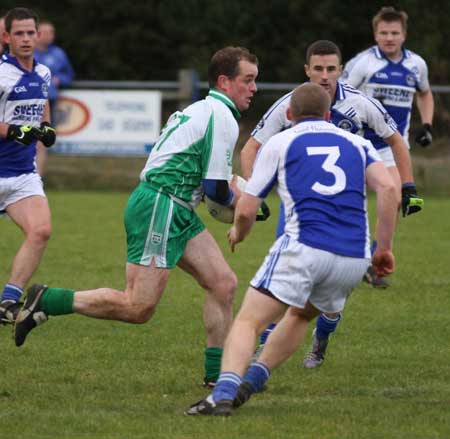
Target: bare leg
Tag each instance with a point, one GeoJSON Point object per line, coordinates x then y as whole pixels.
{"type": "Point", "coordinates": [32, 215]}
{"type": "Point", "coordinates": [257, 311]}
{"type": "Point", "coordinates": [287, 336]}
{"type": "Point", "coordinates": [137, 304]}
{"type": "Point", "coordinates": [203, 259]}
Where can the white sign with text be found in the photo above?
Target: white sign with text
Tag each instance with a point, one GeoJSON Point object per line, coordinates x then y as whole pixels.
{"type": "Point", "coordinates": [107, 122]}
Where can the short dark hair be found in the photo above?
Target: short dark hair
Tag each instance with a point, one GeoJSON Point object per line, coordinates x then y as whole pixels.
{"type": "Point", "coordinates": [390, 14]}
{"type": "Point", "coordinates": [309, 100]}
{"type": "Point", "coordinates": [19, 14]}
{"type": "Point", "coordinates": [323, 47]}
{"type": "Point", "coordinates": [226, 62]}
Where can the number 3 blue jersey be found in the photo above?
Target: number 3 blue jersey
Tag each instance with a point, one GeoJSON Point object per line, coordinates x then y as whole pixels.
{"type": "Point", "coordinates": [320, 171]}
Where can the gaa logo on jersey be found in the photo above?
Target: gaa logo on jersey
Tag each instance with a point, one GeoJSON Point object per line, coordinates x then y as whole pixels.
{"type": "Point", "coordinates": [345, 124]}
{"type": "Point", "coordinates": [45, 90]}
{"type": "Point", "coordinates": [411, 80]}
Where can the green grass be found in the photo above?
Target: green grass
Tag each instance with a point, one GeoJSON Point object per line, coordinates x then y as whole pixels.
{"type": "Point", "coordinates": [387, 373]}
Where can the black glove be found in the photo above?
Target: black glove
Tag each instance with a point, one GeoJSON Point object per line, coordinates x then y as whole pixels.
{"type": "Point", "coordinates": [425, 135]}
{"type": "Point", "coordinates": [48, 134]}
{"type": "Point", "coordinates": [410, 202]}
{"type": "Point", "coordinates": [263, 212]}
{"type": "Point", "coordinates": [24, 134]}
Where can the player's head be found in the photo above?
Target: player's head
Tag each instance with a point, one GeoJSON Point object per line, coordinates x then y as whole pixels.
{"type": "Point", "coordinates": [21, 32]}
{"type": "Point", "coordinates": [19, 14]}
{"type": "Point", "coordinates": [324, 64]}
{"type": "Point", "coordinates": [46, 33]}
{"type": "Point", "coordinates": [309, 100]}
{"type": "Point", "coordinates": [233, 70]}
{"type": "Point", "coordinates": [389, 30]}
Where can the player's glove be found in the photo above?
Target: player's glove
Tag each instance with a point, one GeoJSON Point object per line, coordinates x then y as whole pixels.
{"type": "Point", "coordinates": [425, 135]}
{"type": "Point", "coordinates": [24, 134]}
{"type": "Point", "coordinates": [48, 134]}
{"type": "Point", "coordinates": [263, 212]}
{"type": "Point", "coordinates": [410, 202]}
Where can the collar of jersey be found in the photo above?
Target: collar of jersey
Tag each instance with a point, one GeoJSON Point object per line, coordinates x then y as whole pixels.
{"type": "Point", "coordinates": [340, 94]}
{"type": "Point", "coordinates": [222, 97]}
{"type": "Point", "coordinates": [380, 54]}
{"type": "Point", "coordinates": [311, 119]}
{"type": "Point", "coordinates": [6, 57]}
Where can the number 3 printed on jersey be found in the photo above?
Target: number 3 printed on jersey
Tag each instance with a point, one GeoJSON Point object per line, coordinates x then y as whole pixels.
{"type": "Point", "coordinates": [329, 165]}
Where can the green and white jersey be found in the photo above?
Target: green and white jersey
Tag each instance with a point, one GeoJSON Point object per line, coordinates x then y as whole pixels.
{"type": "Point", "coordinates": [196, 143]}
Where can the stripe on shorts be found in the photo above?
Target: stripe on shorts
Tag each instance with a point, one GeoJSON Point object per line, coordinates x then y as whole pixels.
{"type": "Point", "coordinates": [273, 262]}
{"type": "Point", "coordinates": [156, 225]}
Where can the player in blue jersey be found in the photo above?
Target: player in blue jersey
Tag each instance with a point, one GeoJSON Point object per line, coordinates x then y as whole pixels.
{"type": "Point", "coordinates": [354, 112]}
{"type": "Point", "coordinates": [24, 119]}
{"type": "Point", "coordinates": [321, 173]}
{"type": "Point", "coordinates": [393, 74]}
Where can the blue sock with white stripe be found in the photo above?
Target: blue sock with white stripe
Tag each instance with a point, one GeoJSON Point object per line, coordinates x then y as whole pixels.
{"type": "Point", "coordinates": [226, 387]}
{"type": "Point", "coordinates": [11, 292]}
{"type": "Point", "coordinates": [326, 326]}
{"type": "Point", "coordinates": [373, 247]}
{"type": "Point", "coordinates": [257, 375]}
{"type": "Point", "coordinates": [266, 333]}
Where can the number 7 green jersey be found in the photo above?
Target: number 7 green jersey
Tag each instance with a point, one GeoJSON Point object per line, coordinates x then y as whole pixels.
{"type": "Point", "coordinates": [194, 144]}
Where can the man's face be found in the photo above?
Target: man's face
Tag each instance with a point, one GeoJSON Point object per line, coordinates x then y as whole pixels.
{"type": "Point", "coordinates": [390, 37]}
{"type": "Point", "coordinates": [325, 71]}
{"type": "Point", "coordinates": [22, 38]}
{"type": "Point", "coordinates": [242, 87]}
{"type": "Point", "coordinates": [46, 34]}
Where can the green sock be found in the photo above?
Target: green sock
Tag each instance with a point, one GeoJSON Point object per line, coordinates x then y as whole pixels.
{"type": "Point", "coordinates": [57, 301]}
{"type": "Point", "coordinates": [213, 359]}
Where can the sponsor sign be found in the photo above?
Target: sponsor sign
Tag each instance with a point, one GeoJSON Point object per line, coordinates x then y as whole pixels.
{"type": "Point", "coordinates": [107, 122]}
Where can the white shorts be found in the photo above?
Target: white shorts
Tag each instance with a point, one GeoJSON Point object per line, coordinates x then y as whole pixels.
{"type": "Point", "coordinates": [295, 273]}
{"type": "Point", "coordinates": [387, 156]}
{"type": "Point", "coordinates": [13, 189]}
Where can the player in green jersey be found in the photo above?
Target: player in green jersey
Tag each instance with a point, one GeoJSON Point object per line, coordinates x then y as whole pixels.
{"type": "Point", "coordinates": [192, 155]}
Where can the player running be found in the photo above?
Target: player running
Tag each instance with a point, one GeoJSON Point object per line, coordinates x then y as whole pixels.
{"type": "Point", "coordinates": [24, 119]}
{"type": "Point", "coordinates": [323, 252]}
{"type": "Point", "coordinates": [357, 113]}
{"type": "Point", "coordinates": [193, 154]}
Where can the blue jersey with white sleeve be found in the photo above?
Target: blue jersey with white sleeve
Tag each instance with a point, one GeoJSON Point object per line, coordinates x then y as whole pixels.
{"type": "Point", "coordinates": [320, 172]}
{"type": "Point", "coordinates": [23, 96]}
{"type": "Point", "coordinates": [351, 110]}
{"type": "Point", "coordinates": [392, 83]}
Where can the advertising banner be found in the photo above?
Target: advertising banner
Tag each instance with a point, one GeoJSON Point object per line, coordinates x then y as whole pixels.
{"type": "Point", "coordinates": [107, 122]}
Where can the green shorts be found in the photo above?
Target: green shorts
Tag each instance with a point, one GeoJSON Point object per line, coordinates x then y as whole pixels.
{"type": "Point", "coordinates": [158, 227]}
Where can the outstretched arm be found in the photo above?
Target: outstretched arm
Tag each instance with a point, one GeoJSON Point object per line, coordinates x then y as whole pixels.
{"type": "Point", "coordinates": [425, 105]}
{"type": "Point", "coordinates": [244, 217]}
{"type": "Point", "coordinates": [401, 156]}
{"type": "Point", "coordinates": [379, 179]}
{"type": "Point", "coordinates": [248, 156]}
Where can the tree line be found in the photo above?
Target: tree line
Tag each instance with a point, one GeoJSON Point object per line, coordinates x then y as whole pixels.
{"type": "Point", "coordinates": [153, 39]}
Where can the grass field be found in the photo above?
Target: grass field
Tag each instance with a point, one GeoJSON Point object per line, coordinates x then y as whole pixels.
{"type": "Point", "coordinates": [387, 373]}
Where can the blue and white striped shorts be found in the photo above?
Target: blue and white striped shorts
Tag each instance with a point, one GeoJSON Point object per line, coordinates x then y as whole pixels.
{"type": "Point", "coordinates": [295, 273]}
